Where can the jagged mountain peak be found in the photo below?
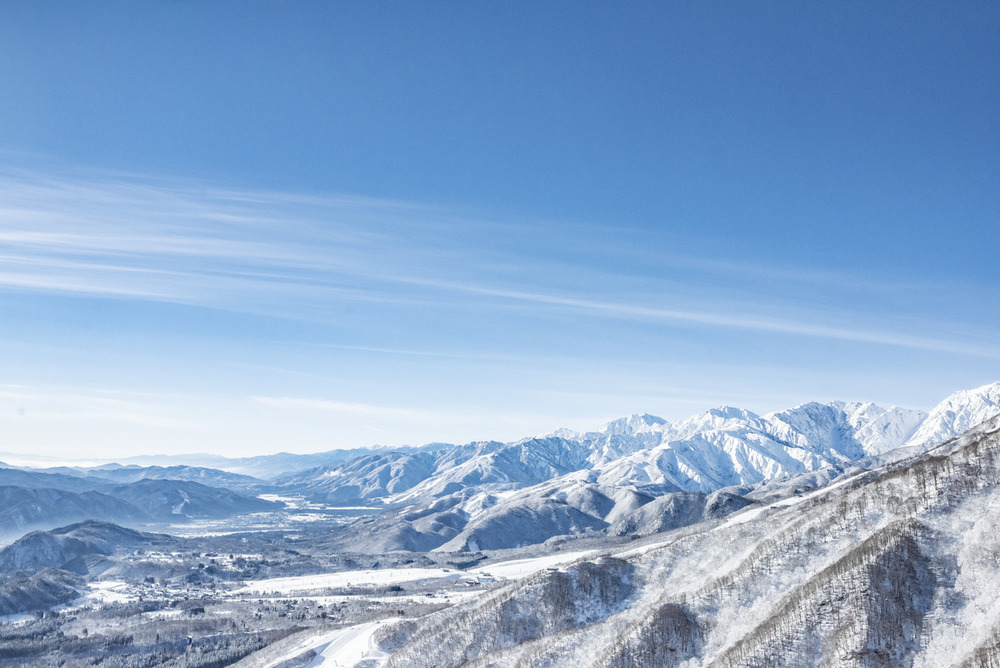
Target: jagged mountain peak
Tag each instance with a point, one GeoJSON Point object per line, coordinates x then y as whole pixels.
{"type": "Point", "coordinates": [723, 414]}
{"type": "Point", "coordinates": [987, 396]}
{"type": "Point", "coordinates": [721, 447]}
{"type": "Point", "coordinates": [956, 414]}
{"type": "Point", "coordinates": [808, 410]}
{"type": "Point", "coordinates": [723, 417]}
{"type": "Point", "coordinates": [562, 432]}
{"type": "Point", "coordinates": [732, 412]}
{"type": "Point", "coordinates": [635, 423]}
{"type": "Point", "coordinates": [852, 429]}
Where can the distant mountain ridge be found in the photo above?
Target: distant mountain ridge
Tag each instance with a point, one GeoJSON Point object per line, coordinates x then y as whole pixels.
{"type": "Point", "coordinates": [464, 497]}
{"type": "Point", "coordinates": [718, 448]}
{"type": "Point", "coordinates": [47, 500]}
{"type": "Point", "coordinates": [105, 476]}
{"type": "Point", "coordinates": [263, 467]}
{"type": "Point", "coordinates": [496, 495]}
{"type": "Point", "coordinates": [876, 430]}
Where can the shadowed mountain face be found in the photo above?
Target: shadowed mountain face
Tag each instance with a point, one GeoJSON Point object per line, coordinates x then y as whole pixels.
{"type": "Point", "coordinates": [116, 474]}
{"type": "Point", "coordinates": [38, 591]}
{"type": "Point", "coordinates": [22, 508]}
{"type": "Point", "coordinates": [167, 500]}
{"type": "Point", "coordinates": [59, 548]}
{"type": "Point", "coordinates": [42, 569]}
{"type": "Point", "coordinates": [895, 566]}
{"type": "Point", "coordinates": [804, 537]}
{"type": "Point", "coordinates": [405, 477]}
{"type": "Point", "coordinates": [56, 499]}
{"type": "Point", "coordinates": [490, 495]}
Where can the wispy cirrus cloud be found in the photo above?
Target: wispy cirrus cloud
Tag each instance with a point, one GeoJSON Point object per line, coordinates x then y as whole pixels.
{"type": "Point", "coordinates": [378, 414]}
{"type": "Point", "coordinates": [345, 407]}
{"type": "Point", "coordinates": [83, 405]}
{"type": "Point", "coordinates": [292, 255]}
{"type": "Point", "coordinates": [742, 321]}
{"type": "Point", "coordinates": [416, 323]}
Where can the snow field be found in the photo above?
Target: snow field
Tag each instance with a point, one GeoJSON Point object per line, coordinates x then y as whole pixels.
{"type": "Point", "coordinates": [508, 570]}
{"type": "Point", "coordinates": [338, 648]}
{"type": "Point", "coordinates": [347, 648]}
{"type": "Point", "coordinates": [110, 591]}
{"type": "Point", "coordinates": [386, 576]}
{"type": "Point", "coordinates": [521, 568]}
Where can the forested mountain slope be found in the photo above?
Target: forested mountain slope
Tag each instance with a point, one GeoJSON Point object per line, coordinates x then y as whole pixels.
{"type": "Point", "coordinates": [889, 567]}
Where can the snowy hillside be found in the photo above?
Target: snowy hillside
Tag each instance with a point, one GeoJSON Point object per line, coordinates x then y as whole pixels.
{"type": "Point", "coordinates": [441, 470]}
{"type": "Point", "coordinates": [889, 567]}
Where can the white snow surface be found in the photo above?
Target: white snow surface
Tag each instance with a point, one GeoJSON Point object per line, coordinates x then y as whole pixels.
{"type": "Point", "coordinates": [346, 647]}
{"type": "Point", "coordinates": [732, 446]}
{"type": "Point", "coordinates": [522, 568]}
{"type": "Point", "coordinates": [957, 414]}
{"type": "Point", "coordinates": [387, 576]}
{"type": "Point", "coordinates": [338, 648]}
{"type": "Point", "coordinates": [179, 508]}
{"type": "Point", "coordinates": [509, 570]}
{"type": "Point", "coordinates": [110, 591]}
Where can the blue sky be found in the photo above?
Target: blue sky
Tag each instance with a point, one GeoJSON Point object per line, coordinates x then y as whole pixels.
{"type": "Point", "coordinates": [260, 226]}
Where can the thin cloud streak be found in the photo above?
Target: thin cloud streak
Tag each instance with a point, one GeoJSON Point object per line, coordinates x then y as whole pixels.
{"type": "Point", "coordinates": [153, 242]}
{"type": "Point", "coordinates": [345, 407]}
{"type": "Point", "coordinates": [631, 311]}
{"type": "Point", "coordinates": [87, 406]}
{"type": "Point", "coordinates": [413, 415]}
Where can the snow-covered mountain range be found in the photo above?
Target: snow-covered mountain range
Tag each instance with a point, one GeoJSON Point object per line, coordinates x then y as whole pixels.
{"type": "Point", "coordinates": [891, 566]}
{"type": "Point", "coordinates": [497, 495]}
{"type": "Point", "coordinates": [719, 448]}
{"type": "Point", "coordinates": [637, 475]}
